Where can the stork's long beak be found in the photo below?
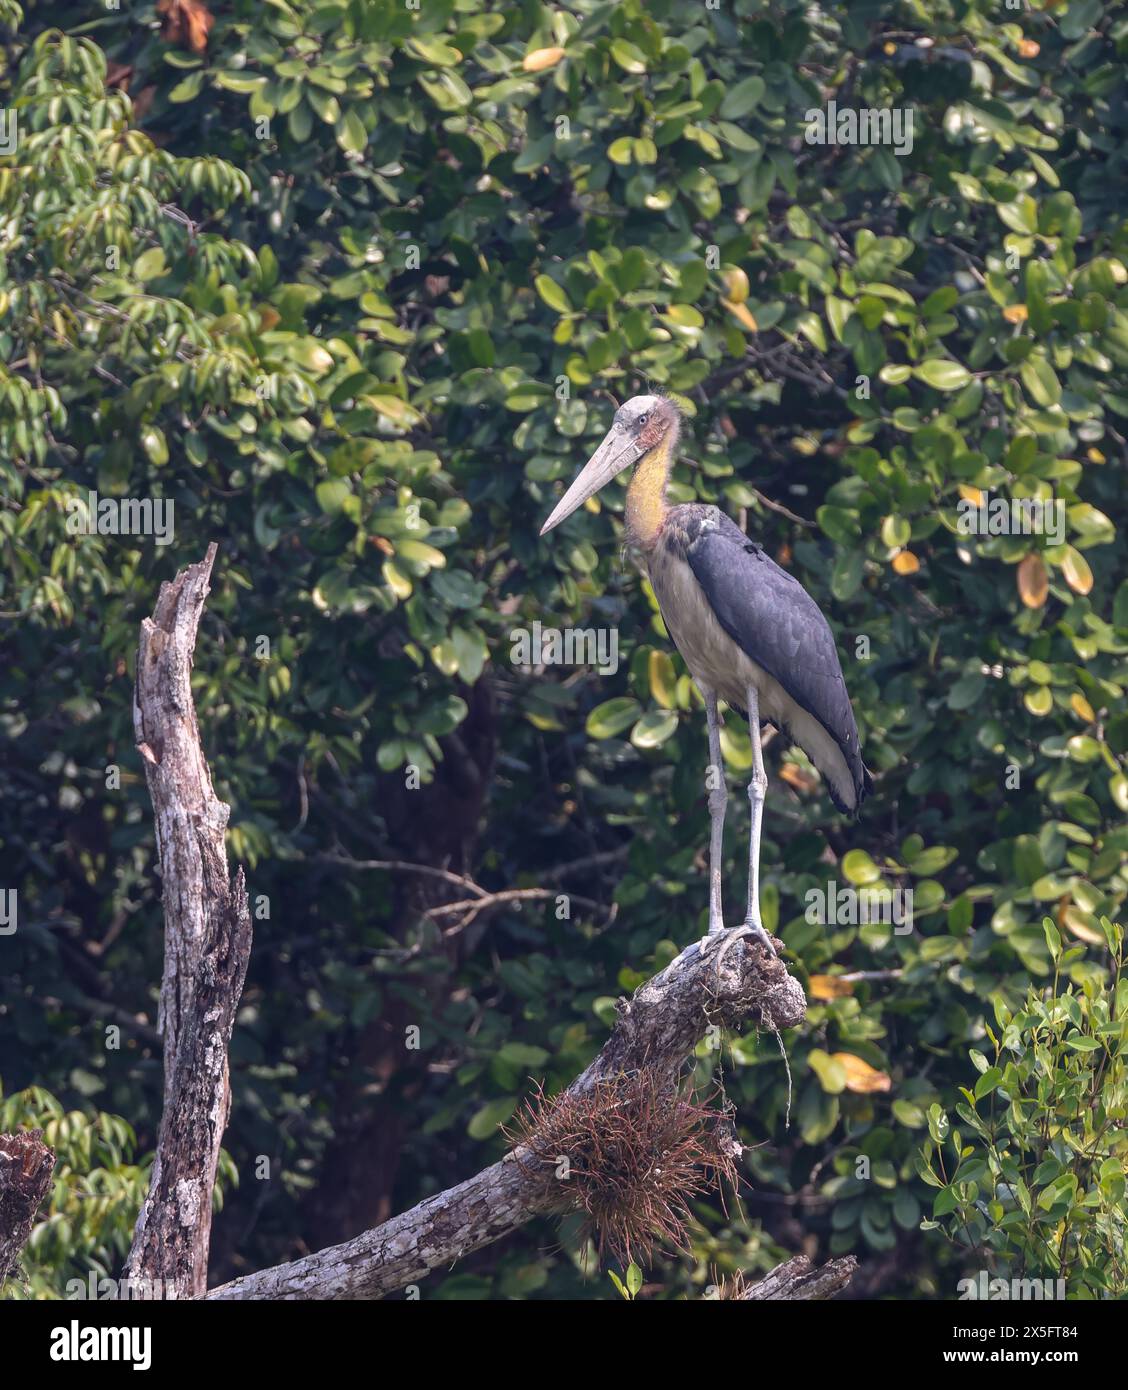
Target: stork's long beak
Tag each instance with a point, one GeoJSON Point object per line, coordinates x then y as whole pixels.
{"type": "Point", "coordinates": [618, 451]}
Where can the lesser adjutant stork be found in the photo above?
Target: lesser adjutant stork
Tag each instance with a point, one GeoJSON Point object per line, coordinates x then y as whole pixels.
{"type": "Point", "coordinates": [750, 633]}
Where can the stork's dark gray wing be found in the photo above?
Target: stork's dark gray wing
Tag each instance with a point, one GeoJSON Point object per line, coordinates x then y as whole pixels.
{"type": "Point", "coordinates": [769, 614]}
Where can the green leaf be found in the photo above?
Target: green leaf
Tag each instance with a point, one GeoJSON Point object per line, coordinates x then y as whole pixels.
{"type": "Point", "coordinates": [839, 313]}
{"type": "Point", "coordinates": [350, 132]}
{"type": "Point", "coordinates": [859, 868]}
{"type": "Point", "coordinates": [629, 58]}
{"type": "Point", "coordinates": [1041, 382]}
{"type": "Point", "coordinates": [988, 1082]}
{"type": "Point", "coordinates": [932, 860]}
{"type": "Point", "coordinates": [846, 577]}
{"type": "Point", "coordinates": [150, 265]}
{"type": "Point", "coordinates": [743, 98]}
{"type": "Point", "coordinates": [332, 494]}
{"type": "Point", "coordinates": [300, 123]}
{"type": "Point", "coordinates": [155, 446]}
{"type": "Point", "coordinates": [1021, 215]}
{"type": "Point", "coordinates": [609, 719]}
{"type": "Point", "coordinates": [431, 49]}
{"type": "Point", "coordinates": [487, 1118]}
{"type": "Point", "coordinates": [896, 531]}
{"type": "Point", "coordinates": [942, 374]}
{"type": "Point", "coordinates": [325, 104]}
{"type": "Point", "coordinates": [188, 88]}
{"type": "Point", "coordinates": [654, 728]}
{"type": "Point", "coordinates": [829, 1070]}
{"type": "Point", "coordinates": [241, 82]}
{"type": "Point", "coordinates": [309, 353]}
{"type": "Point", "coordinates": [552, 294]}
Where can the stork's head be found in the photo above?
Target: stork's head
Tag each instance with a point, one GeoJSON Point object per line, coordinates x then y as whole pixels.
{"type": "Point", "coordinates": [640, 426]}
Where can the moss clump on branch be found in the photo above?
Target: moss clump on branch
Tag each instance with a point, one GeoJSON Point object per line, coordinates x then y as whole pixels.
{"type": "Point", "coordinates": [627, 1154]}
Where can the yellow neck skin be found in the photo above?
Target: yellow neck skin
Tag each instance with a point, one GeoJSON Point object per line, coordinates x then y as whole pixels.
{"type": "Point", "coordinates": [646, 496]}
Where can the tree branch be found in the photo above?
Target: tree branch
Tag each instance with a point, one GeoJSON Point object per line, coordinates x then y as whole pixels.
{"type": "Point", "coordinates": [658, 1028]}
{"type": "Point", "coordinates": [795, 1279]}
{"type": "Point", "coordinates": [207, 945]}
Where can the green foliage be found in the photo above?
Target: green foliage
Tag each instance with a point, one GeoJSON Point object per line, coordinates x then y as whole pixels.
{"type": "Point", "coordinates": [1037, 1187]}
{"type": "Point", "coordinates": [350, 288]}
{"type": "Point", "coordinates": [629, 1286]}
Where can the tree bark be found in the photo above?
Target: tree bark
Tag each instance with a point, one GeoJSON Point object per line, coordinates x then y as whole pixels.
{"type": "Point", "coordinates": [659, 1028]}
{"type": "Point", "coordinates": [207, 945]}
{"type": "Point", "coordinates": [795, 1279]}
{"type": "Point", "coordinates": [26, 1165]}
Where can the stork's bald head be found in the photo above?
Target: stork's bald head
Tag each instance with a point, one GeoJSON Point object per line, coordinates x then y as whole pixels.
{"type": "Point", "coordinates": [640, 425]}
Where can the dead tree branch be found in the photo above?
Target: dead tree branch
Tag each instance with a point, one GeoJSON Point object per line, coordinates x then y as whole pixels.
{"type": "Point", "coordinates": [207, 945]}
{"type": "Point", "coordinates": [795, 1279]}
{"type": "Point", "coordinates": [658, 1028]}
{"type": "Point", "coordinates": [26, 1165]}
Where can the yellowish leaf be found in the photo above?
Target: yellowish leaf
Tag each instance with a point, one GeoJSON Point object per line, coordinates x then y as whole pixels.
{"type": "Point", "coordinates": [736, 284]}
{"type": "Point", "coordinates": [542, 58]}
{"type": "Point", "coordinates": [860, 1076]}
{"type": "Point", "coordinates": [1081, 708]}
{"type": "Point", "coordinates": [905, 562]}
{"type": "Point", "coordinates": [396, 580]}
{"type": "Point", "coordinates": [1033, 582]}
{"type": "Point", "coordinates": [741, 313]}
{"type": "Point", "coordinates": [1076, 569]}
{"type": "Point", "coordinates": [1081, 925]}
{"type": "Point", "coordinates": [828, 987]}
{"type": "Point", "coordinates": [1015, 313]}
{"type": "Point", "coordinates": [971, 494]}
{"type": "Point", "coordinates": [663, 678]}
{"type": "Point", "coordinates": [796, 777]}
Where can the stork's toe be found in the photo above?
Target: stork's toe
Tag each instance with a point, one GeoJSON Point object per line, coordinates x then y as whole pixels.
{"type": "Point", "coordinates": [760, 934]}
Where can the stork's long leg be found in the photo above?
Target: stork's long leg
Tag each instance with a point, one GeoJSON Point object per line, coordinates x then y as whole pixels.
{"type": "Point", "coordinates": [757, 791]}
{"type": "Point", "coordinates": [718, 797]}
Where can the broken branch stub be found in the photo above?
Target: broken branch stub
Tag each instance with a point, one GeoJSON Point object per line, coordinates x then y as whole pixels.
{"type": "Point", "coordinates": [207, 941]}
{"type": "Point", "coordinates": [26, 1165]}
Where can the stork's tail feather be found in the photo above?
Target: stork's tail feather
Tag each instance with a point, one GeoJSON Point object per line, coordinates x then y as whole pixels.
{"type": "Point", "coordinates": [864, 790]}
{"type": "Point", "coordinates": [846, 807]}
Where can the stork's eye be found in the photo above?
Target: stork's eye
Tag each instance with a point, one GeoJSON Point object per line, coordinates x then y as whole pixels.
{"type": "Point", "coordinates": [642, 419]}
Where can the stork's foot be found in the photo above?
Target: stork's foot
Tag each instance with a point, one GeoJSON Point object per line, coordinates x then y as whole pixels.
{"type": "Point", "coordinates": [721, 941]}
{"type": "Point", "coordinates": [759, 933]}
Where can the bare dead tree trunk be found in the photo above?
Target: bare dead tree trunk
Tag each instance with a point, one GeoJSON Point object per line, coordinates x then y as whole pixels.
{"type": "Point", "coordinates": [658, 1028]}
{"type": "Point", "coordinates": [207, 945]}
{"type": "Point", "coordinates": [26, 1165]}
